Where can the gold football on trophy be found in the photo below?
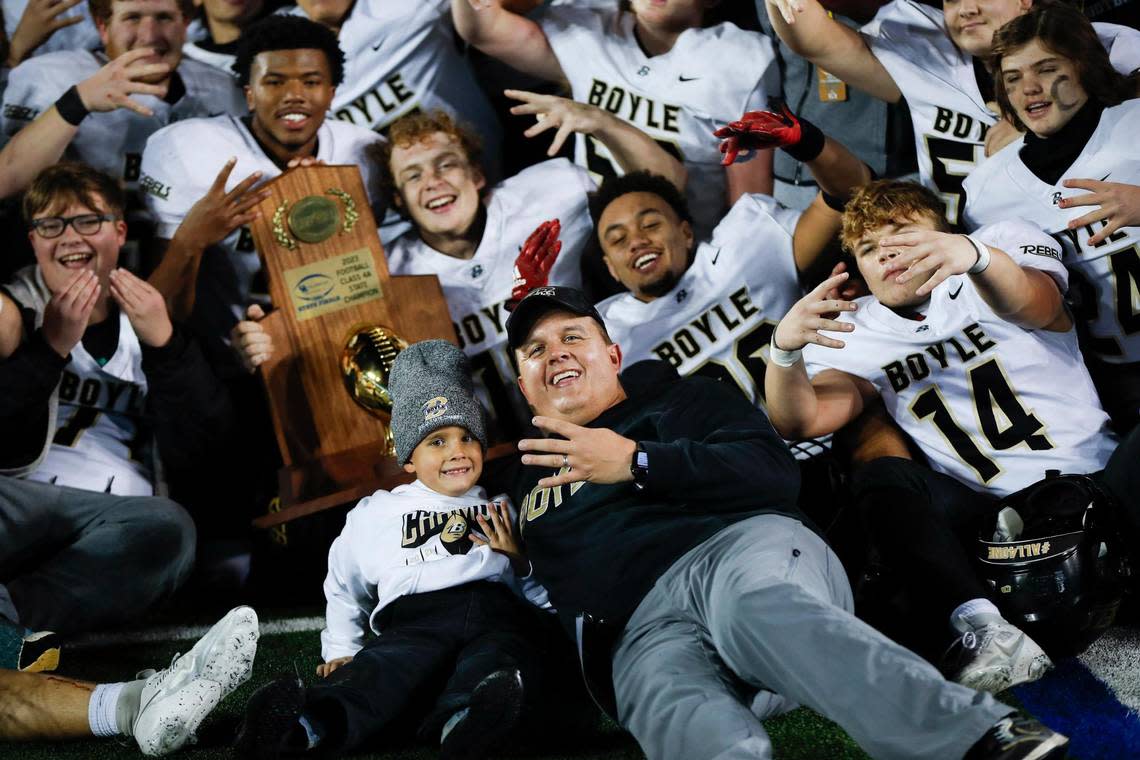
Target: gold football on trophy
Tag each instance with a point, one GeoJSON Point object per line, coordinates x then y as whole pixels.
{"type": "Point", "coordinates": [366, 364]}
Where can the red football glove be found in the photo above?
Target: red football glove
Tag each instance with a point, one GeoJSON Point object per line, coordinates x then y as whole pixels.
{"type": "Point", "coordinates": [537, 256]}
{"type": "Point", "coordinates": [758, 130]}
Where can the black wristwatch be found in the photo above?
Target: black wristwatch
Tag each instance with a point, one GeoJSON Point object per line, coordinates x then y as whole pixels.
{"type": "Point", "coordinates": [639, 467]}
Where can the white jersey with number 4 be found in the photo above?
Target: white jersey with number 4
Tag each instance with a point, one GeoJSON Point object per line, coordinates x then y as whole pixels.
{"type": "Point", "coordinates": [1004, 188]}
{"type": "Point", "coordinates": [938, 82]}
{"type": "Point", "coordinates": [719, 317]}
{"type": "Point", "coordinates": [709, 78]}
{"type": "Point", "coordinates": [477, 288]}
{"type": "Point", "coordinates": [180, 165]}
{"type": "Point", "coordinates": [100, 442]}
{"type": "Point", "coordinates": [989, 403]}
{"type": "Point", "coordinates": [113, 141]}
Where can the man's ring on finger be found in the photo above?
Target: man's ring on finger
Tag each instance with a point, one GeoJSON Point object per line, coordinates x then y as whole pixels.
{"type": "Point", "coordinates": [565, 460]}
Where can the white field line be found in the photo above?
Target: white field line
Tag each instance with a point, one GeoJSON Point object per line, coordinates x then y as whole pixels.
{"type": "Point", "coordinates": [1113, 659]}
{"type": "Point", "coordinates": [186, 633]}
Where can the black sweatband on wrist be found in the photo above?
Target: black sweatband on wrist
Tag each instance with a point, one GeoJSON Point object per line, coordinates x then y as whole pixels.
{"type": "Point", "coordinates": [834, 202]}
{"type": "Point", "coordinates": [810, 145]}
{"type": "Point", "coordinates": [70, 107]}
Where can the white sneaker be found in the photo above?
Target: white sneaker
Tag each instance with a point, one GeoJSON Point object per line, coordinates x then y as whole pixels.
{"type": "Point", "coordinates": [995, 657]}
{"type": "Point", "coordinates": [176, 700]}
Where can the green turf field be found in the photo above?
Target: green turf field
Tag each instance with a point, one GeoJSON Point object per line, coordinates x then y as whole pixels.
{"type": "Point", "coordinates": [799, 735]}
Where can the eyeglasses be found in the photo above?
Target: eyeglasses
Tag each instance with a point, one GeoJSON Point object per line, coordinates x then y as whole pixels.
{"type": "Point", "coordinates": [85, 224]}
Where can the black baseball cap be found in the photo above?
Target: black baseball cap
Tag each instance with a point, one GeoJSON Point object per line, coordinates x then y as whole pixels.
{"type": "Point", "coordinates": [541, 301]}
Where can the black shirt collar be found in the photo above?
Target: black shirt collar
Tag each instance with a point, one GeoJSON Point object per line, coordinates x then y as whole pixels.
{"type": "Point", "coordinates": [1050, 157]}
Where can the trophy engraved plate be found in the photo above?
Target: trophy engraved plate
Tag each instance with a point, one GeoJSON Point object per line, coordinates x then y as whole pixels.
{"type": "Point", "coordinates": [314, 219]}
{"type": "Point", "coordinates": [332, 284]}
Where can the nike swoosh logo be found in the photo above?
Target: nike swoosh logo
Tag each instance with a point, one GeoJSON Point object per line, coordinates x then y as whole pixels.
{"type": "Point", "coordinates": [686, 79]}
{"type": "Point", "coordinates": [715, 257]}
{"type": "Point", "coordinates": [956, 292]}
{"type": "Point", "coordinates": [378, 45]}
{"type": "Point", "coordinates": [1102, 179]}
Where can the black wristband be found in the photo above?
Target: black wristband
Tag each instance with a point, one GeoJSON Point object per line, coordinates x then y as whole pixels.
{"type": "Point", "coordinates": [70, 107]}
{"type": "Point", "coordinates": [810, 145]}
{"type": "Point", "coordinates": [834, 202]}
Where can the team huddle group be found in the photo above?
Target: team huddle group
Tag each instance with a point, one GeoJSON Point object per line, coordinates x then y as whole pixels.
{"type": "Point", "coordinates": [737, 318]}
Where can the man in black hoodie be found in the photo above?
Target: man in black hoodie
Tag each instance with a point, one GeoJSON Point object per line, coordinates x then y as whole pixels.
{"type": "Point", "coordinates": [670, 518]}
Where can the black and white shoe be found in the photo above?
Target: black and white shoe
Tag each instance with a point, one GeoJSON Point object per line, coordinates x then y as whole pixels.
{"type": "Point", "coordinates": [496, 704]}
{"type": "Point", "coordinates": [1017, 737]}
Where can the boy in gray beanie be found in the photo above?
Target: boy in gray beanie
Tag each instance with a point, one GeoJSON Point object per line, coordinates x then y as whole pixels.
{"type": "Point", "coordinates": [446, 603]}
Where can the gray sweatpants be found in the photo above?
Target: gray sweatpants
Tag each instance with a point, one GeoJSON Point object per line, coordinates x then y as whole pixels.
{"type": "Point", "coordinates": [764, 606]}
{"type": "Point", "coordinates": [76, 560]}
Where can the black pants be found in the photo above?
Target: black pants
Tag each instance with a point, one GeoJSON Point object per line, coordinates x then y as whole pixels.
{"type": "Point", "coordinates": [924, 525]}
{"type": "Point", "coordinates": [434, 649]}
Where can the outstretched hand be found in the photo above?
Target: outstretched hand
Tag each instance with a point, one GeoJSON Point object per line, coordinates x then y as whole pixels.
{"type": "Point", "coordinates": [812, 313]}
{"type": "Point", "coordinates": [218, 213]}
{"type": "Point", "coordinates": [41, 19]}
{"type": "Point", "coordinates": [1119, 206]}
{"type": "Point", "coordinates": [758, 130]}
{"type": "Point", "coordinates": [535, 259]}
{"type": "Point", "coordinates": [551, 111]}
{"type": "Point", "coordinates": [144, 306]}
{"type": "Point", "coordinates": [930, 254]}
{"type": "Point", "coordinates": [596, 455]}
{"type": "Point", "coordinates": [111, 87]}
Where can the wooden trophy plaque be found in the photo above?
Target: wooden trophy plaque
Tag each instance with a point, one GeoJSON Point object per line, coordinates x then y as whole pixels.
{"type": "Point", "coordinates": [328, 278]}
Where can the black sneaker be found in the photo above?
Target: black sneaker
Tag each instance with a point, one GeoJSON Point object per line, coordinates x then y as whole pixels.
{"type": "Point", "coordinates": [271, 728]}
{"type": "Point", "coordinates": [1017, 737]}
{"type": "Point", "coordinates": [496, 704]}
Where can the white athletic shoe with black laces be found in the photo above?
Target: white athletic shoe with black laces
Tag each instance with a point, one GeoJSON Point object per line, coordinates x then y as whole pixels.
{"type": "Point", "coordinates": [176, 700]}
{"type": "Point", "coordinates": [995, 657]}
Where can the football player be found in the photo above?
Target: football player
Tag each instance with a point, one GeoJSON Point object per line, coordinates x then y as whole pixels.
{"type": "Point", "coordinates": [935, 60]}
{"type": "Point", "coordinates": [113, 141]}
{"type": "Point", "coordinates": [968, 343]}
{"type": "Point", "coordinates": [290, 68]}
{"type": "Point", "coordinates": [653, 66]}
{"type": "Point", "coordinates": [223, 22]}
{"type": "Point", "coordinates": [1055, 83]}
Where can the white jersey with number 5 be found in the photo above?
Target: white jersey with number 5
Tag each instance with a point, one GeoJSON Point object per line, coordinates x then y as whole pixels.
{"type": "Point", "coordinates": [1004, 188]}
{"type": "Point", "coordinates": [113, 141]}
{"type": "Point", "coordinates": [477, 288]}
{"type": "Point", "coordinates": [678, 98]}
{"type": "Point", "coordinates": [989, 403]}
{"type": "Point", "coordinates": [719, 317]}
{"type": "Point", "coordinates": [938, 82]}
{"type": "Point", "coordinates": [100, 443]}
{"type": "Point", "coordinates": [180, 165]}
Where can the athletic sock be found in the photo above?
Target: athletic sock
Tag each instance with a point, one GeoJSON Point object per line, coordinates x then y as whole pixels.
{"type": "Point", "coordinates": [314, 731]}
{"type": "Point", "coordinates": [101, 713]}
{"type": "Point", "coordinates": [974, 614]}
{"type": "Point", "coordinates": [128, 705]}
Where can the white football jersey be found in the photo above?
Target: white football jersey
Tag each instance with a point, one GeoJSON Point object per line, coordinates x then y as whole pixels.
{"type": "Point", "coordinates": [477, 288]}
{"type": "Point", "coordinates": [81, 36]}
{"type": "Point", "coordinates": [989, 403]}
{"type": "Point", "coordinates": [678, 98]}
{"type": "Point", "coordinates": [401, 56]}
{"type": "Point", "coordinates": [113, 142]}
{"type": "Point", "coordinates": [1003, 187]}
{"type": "Point", "coordinates": [719, 317]}
{"type": "Point", "coordinates": [937, 80]}
{"type": "Point", "coordinates": [101, 443]}
{"type": "Point", "coordinates": [180, 164]}
{"type": "Point", "coordinates": [221, 61]}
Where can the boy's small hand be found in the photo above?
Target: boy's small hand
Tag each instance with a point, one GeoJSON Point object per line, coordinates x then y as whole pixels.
{"type": "Point", "coordinates": [325, 669]}
{"type": "Point", "coordinates": [500, 536]}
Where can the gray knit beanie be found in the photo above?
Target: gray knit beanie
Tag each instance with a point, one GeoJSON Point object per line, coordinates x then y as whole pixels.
{"type": "Point", "coordinates": [431, 388]}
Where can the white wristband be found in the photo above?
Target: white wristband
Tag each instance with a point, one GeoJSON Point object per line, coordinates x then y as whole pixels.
{"type": "Point", "coordinates": [784, 358]}
{"type": "Point", "coordinates": [983, 256]}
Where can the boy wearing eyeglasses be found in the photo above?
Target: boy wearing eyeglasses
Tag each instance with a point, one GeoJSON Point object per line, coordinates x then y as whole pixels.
{"type": "Point", "coordinates": [96, 380]}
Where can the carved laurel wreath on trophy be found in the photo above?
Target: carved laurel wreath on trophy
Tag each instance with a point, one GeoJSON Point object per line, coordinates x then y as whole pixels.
{"type": "Point", "coordinates": [314, 218]}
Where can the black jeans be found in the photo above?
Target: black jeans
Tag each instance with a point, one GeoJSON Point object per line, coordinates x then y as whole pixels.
{"type": "Point", "coordinates": [434, 649]}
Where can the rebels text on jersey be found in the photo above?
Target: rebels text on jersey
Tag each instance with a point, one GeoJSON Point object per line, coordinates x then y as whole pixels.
{"type": "Point", "coordinates": [1004, 188]}
{"type": "Point", "coordinates": [113, 141]}
{"type": "Point", "coordinates": [180, 164]}
{"type": "Point", "coordinates": [940, 86]}
{"type": "Point", "coordinates": [477, 288]}
{"type": "Point", "coordinates": [988, 402]}
{"type": "Point", "coordinates": [678, 98]}
{"type": "Point", "coordinates": [719, 317]}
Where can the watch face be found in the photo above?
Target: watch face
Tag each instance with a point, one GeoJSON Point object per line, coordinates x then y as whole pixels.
{"type": "Point", "coordinates": [642, 460]}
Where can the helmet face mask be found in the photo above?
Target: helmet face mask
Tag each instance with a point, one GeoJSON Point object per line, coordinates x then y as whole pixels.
{"type": "Point", "coordinates": [1058, 580]}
